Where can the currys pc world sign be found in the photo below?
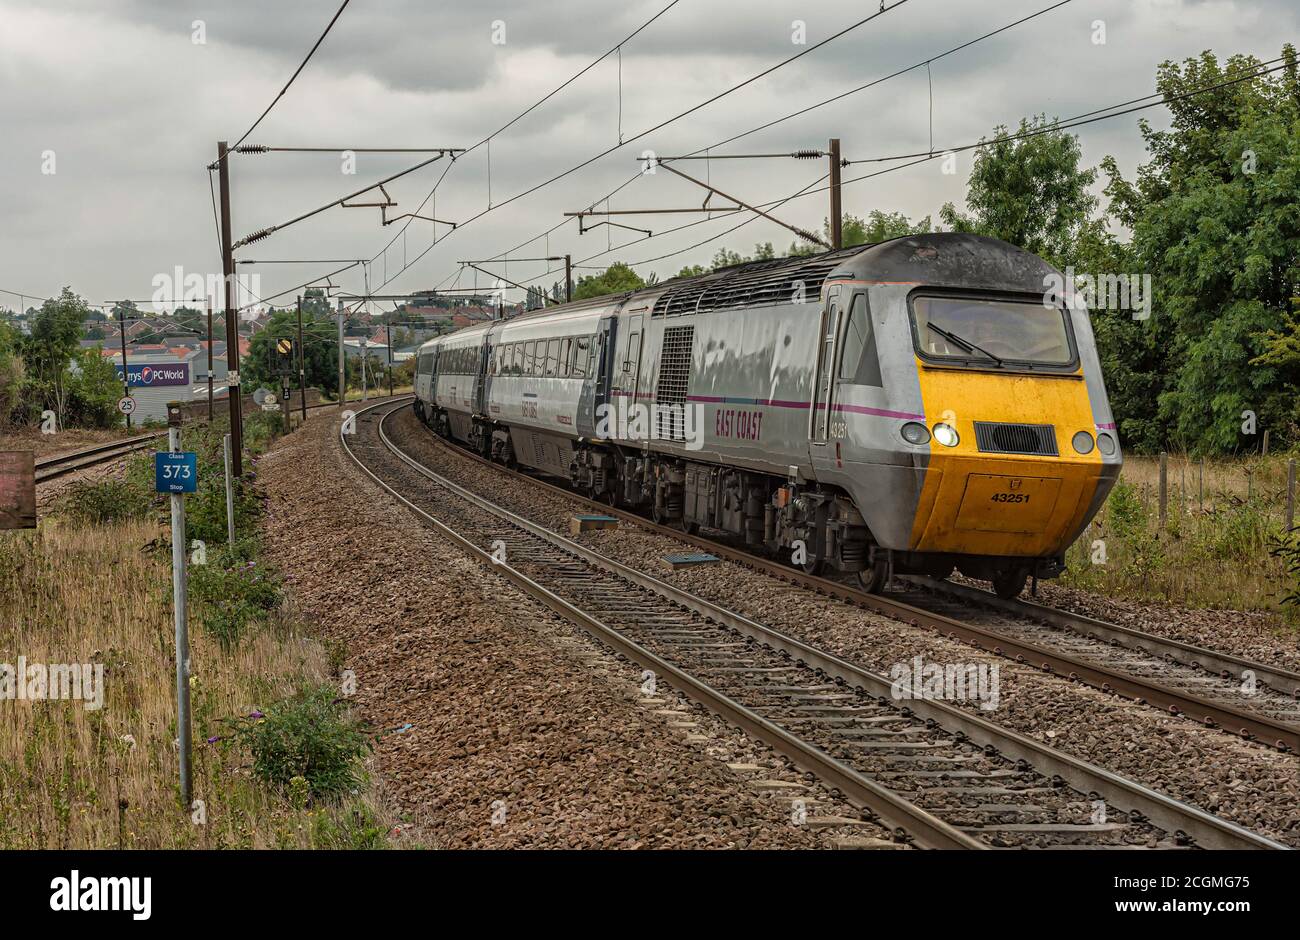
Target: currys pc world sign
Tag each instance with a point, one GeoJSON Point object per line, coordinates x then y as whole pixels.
{"type": "Point", "coordinates": [150, 375]}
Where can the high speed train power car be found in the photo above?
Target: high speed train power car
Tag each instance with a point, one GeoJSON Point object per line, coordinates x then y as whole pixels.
{"type": "Point", "coordinates": [914, 406]}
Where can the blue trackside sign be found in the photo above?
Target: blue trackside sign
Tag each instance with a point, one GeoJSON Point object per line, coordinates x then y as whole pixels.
{"type": "Point", "coordinates": [175, 473]}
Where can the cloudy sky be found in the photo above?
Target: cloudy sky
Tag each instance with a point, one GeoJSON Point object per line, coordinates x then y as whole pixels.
{"type": "Point", "coordinates": [111, 110]}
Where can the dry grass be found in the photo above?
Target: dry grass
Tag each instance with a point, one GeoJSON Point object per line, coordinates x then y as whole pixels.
{"type": "Point", "coordinates": [1214, 550]}
{"type": "Point", "coordinates": [1196, 484]}
{"type": "Point", "coordinates": [101, 595]}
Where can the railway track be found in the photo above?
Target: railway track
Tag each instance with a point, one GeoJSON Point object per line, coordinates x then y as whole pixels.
{"type": "Point", "coordinates": [1253, 700]}
{"type": "Point", "coordinates": [62, 464]}
{"type": "Point", "coordinates": [938, 776]}
{"type": "Point", "coordinates": [51, 468]}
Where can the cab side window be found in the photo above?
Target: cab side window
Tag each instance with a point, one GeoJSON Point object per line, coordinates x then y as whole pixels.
{"type": "Point", "coordinates": [859, 362]}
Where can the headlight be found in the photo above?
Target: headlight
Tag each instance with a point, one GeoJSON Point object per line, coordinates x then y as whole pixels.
{"type": "Point", "coordinates": [946, 435]}
{"type": "Point", "coordinates": [1082, 442]}
{"type": "Point", "coordinates": [914, 433]}
{"type": "Point", "coordinates": [1106, 443]}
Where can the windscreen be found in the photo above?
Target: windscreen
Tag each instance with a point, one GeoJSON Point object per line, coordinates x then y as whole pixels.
{"type": "Point", "coordinates": [973, 329]}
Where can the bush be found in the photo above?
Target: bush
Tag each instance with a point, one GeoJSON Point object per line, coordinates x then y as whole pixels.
{"type": "Point", "coordinates": [1125, 512]}
{"type": "Point", "coordinates": [312, 736]}
{"type": "Point", "coordinates": [101, 502]}
{"type": "Point", "coordinates": [260, 428]}
{"type": "Point", "coordinates": [1287, 548]}
{"type": "Point", "coordinates": [232, 591]}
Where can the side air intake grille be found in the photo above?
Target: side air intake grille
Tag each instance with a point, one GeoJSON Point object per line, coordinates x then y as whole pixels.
{"type": "Point", "coordinates": [758, 284]}
{"type": "Point", "coordinates": [674, 379]}
{"type": "Point", "coordinates": [992, 438]}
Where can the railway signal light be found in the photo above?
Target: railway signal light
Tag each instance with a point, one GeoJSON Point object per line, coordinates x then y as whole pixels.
{"type": "Point", "coordinates": [282, 357]}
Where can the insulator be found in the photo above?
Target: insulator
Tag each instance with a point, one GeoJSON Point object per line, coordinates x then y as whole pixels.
{"type": "Point", "coordinates": [807, 154]}
{"type": "Point", "coordinates": [258, 236]}
{"type": "Point", "coordinates": [252, 148]}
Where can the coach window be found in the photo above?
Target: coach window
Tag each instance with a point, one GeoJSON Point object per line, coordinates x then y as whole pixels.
{"type": "Point", "coordinates": [528, 358]}
{"type": "Point", "coordinates": [581, 350]}
{"type": "Point", "coordinates": [552, 357]}
{"type": "Point", "coordinates": [859, 362]}
{"type": "Point", "coordinates": [566, 356]}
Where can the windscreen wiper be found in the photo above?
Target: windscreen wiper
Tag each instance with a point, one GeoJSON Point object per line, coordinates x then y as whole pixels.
{"type": "Point", "coordinates": [964, 343]}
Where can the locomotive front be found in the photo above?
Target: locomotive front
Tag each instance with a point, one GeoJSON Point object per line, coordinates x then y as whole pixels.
{"type": "Point", "coordinates": [1002, 446]}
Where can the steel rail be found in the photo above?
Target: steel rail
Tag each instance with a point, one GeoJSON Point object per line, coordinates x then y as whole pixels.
{"type": "Point", "coordinates": [891, 809]}
{"type": "Point", "coordinates": [1225, 664]}
{"type": "Point", "coordinates": [1211, 714]}
{"type": "Point", "coordinates": [51, 468]}
{"type": "Point", "coordinates": [1180, 819]}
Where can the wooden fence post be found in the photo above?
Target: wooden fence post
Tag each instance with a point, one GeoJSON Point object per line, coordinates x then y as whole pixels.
{"type": "Point", "coordinates": [1290, 493]}
{"type": "Point", "coordinates": [1164, 487]}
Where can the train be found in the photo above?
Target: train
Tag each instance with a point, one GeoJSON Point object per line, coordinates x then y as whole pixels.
{"type": "Point", "coordinates": [920, 406]}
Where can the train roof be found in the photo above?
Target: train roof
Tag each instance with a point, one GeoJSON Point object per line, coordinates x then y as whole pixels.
{"type": "Point", "coordinates": [950, 259]}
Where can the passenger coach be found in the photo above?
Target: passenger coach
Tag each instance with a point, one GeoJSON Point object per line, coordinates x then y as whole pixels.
{"type": "Point", "coordinates": [915, 406]}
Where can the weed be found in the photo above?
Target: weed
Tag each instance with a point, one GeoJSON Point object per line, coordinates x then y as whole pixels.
{"type": "Point", "coordinates": [310, 735]}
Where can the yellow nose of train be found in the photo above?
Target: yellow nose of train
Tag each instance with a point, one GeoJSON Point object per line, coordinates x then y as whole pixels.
{"type": "Point", "coordinates": [1010, 481]}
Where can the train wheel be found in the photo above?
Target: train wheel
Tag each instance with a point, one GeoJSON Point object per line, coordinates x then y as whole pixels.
{"type": "Point", "coordinates": [1008, 584]}
{"type": "Point", "coordinates": [813, 567]}
{"type": "Point", "coordinates": [690, 528]}
{"type": "Point", "coordinates": [874, 578]}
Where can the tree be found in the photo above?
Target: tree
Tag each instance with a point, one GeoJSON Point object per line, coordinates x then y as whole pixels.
{"type": "Point", "coordinates": [93, 390]}
{"type": "Point", "coordinates": [877, 227]}
{"type": "Point", "coordinates": [618, 278]}
{"type": "Point", "coordinates": [320, 338]}
{"type": "Point", "coordinates": [1214, 222]}
{"type": "Point", "coordinates": [11, 374]}
{"type": "Point", "coordinates": [315, 304]}
{"type": "Point", "coordinates": [56, 331]}
{"type": "Point", "coordinates": [1028, 191]}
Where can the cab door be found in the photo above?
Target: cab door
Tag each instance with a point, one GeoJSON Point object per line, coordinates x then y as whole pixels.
{"type": "Point", "coordinates": [627, 365]}
{"type": "Point", "coordinates": [823, 404]}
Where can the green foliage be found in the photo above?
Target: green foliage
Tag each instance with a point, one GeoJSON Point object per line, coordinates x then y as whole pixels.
{"type": "Point", "coordinates": [55, 334]}
{"type": "Point", "coordinates": [11, 374]}
{"type": "Point", "coordinates": [320, 338]}
{"type": "Point", "coordinates": [260, 428]}
{"type": "Point", "coordinates": [311, 735]}
{"type": "Point", "coordinates": [233, 591]}
{"type": "Point", "coordinates": [101, 502]}
{"type": "Point", "coordinates": [1287, 548]}
{"type": "Point", "coordinates": [349, 828]}
{"type": "Point", "coordinates": [1125, 512]}
{"type": "Point", "coordinates": [618, 278]}
{"type": "Point", "coordinates": [877, 227]}
{"type": "Point", "coordinates": [1214, 222]}
{"type": "Point", "coordinates": [1029, 192]}
{"type": "Point", "coordinates": [93, 391]}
